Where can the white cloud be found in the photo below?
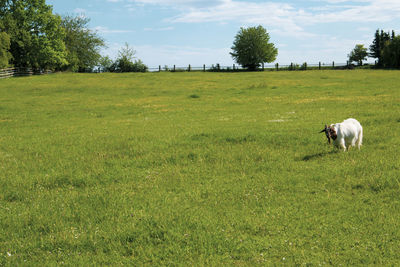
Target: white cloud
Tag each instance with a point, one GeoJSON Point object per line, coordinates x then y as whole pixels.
{"type": "Point", "coordinates": [79, 10]}
{"type": "Point", "coordinates": [365, 29]}
{"type": "Point", "coordinates": [273, 12]}
{"type": "Point", "coordinates": [105, 30]}
{"type": "Point", "coordinates": [236, 10]}
{"type": "Point", "coordinates": [281, 17]}
{"type": "Point", "coordinates": [374, 11]}
{"type": "Point", "coordinates": [286, 18]}
{"type": "Point", "coordinates": [158, 29]}
{"type": "Point", "coordinates": [339, 1]}
{"type": "Point", "coordinates": [182, 3]}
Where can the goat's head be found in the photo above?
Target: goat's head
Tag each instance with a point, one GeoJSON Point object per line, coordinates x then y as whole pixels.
{"type": "Point", "coordinates": [326, 131]}
{"type": "Point", "coordinates": [330, 132]}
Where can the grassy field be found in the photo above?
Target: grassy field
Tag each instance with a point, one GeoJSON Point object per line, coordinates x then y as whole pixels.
{"type": "Point", "coordinates": [198, 168]}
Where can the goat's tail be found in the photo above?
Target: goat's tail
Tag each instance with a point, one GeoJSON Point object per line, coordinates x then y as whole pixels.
{"type": "Point", "coordinates": [360, 138]}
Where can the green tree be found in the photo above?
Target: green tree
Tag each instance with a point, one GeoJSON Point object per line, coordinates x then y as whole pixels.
{"type": "Point", "coordinates": [139, 66]}
{"type": "Point", "coordinates": [105, 64]}
{"type": "Point", "coordinates": [391, 53]}
{"type": "Point", "coordinates": [251, 47]}
{"type": "Point", "coordinates": [126, 61]}
{"type": "Point", "coordinates": [5, 55]}
{"type": "Point", "coordinates": [378, 44]}
{"type": "Point", "coordinates": [82, 44]}
{"type": "Point", "coordinates": [4, 47]}
{"type": "Point", "coordinates": [358, 54]}
{"type": "Point", "coordinates": [35, 34]}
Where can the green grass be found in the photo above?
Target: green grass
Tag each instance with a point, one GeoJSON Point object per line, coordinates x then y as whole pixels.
{"type": "Point", "coordinates": [198, 168]}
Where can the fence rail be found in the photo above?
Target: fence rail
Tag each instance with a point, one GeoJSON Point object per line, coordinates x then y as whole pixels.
{"type": "Point", "coordinates": [16, 72]}
{"type": "Point", "coordinates": [234, 67]}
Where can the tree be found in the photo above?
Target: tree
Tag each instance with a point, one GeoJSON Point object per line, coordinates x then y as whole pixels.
{"type": "Point", "coordinates": [358, 54]}
{"type": "Point", "coordinates": [105, 64]}
{"type": "Point", "coordinates": [378, 44]}
{"type": "Point", "coordinates": [82, 44]}
{"type": "Point", "coordinates": [251, 47]}
{"type": "Point", "coordinates": [391, 53]}
{"type": "Point", "coordinates": [5, 55]}
{"type": "Point", "coordinates": [126, 61]}
{"type": "Point", "coordinates": [36, 38]}
{"type": "Point", "coordinates": [4, 47]}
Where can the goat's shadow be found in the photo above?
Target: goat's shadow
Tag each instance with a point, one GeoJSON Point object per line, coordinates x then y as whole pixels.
{"type": "Point", "coordinates": [319, 155]}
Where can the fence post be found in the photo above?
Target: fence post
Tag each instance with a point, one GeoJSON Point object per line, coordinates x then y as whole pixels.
{"type": "Point", "coordinates": [204, 67]}
{"type": "Point", "coordinates": [319, 65]}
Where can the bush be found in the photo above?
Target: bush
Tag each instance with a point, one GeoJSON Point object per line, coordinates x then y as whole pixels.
{"type": "Point", "coordinates": [139, 66]}
{"type": "Point", "coordinates": [106, 64]}
{"type": "Point", "coordinates": [127, 66]}
{"type": "Point", "coordinates": [125, 63]}
{"type": "Point", "coordinates": [215, 68]}
{"type": "Point", "coordinates": [293, 66]}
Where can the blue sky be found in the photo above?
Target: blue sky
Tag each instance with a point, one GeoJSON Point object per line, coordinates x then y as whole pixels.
{"type": "Point", "coordinates": [197, 32]}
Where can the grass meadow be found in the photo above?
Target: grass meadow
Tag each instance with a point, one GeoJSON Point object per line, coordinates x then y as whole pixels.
{"type": "Point", "coordinates": [198, 169]}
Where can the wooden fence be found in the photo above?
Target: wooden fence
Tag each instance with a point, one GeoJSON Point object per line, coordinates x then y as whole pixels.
{"type": "Point", "coordinates": [234, 67]}
{"type": "Point", "coordinates": [16, 72]}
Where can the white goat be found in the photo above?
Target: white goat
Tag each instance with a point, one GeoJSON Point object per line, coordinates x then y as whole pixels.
{"type": "Point", "coordinates": [345, 134]}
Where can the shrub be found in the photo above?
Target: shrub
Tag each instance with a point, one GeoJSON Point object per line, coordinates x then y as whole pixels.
{"type": "Point", "coordinates": [125, 63]}
{"type": "Point", "coordinates": [139, 66]}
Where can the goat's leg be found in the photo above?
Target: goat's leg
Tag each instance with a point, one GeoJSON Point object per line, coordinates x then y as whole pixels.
{"type": "Point", "coordinates": [342, 145]}
{"type": "Point", "coordinates": [353, 142]}
{"type": "Point", "coordinates": [359, 140]}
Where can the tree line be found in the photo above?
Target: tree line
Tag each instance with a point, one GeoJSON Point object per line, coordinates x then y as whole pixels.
{"type": "Point", "coordinates": [32, 36]}
{"type": "Point", "coordinates": [251, 48]}
{"type": "Point", "coordinates": [385, 48]}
